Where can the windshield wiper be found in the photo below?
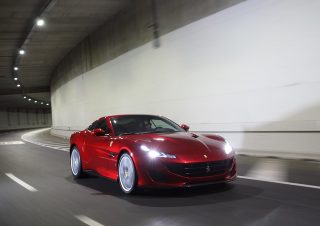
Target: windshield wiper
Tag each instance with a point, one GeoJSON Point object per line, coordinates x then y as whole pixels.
{"type": "Point", "coordinates": [134, 133]}
{"type": "Point", "coordinates": [143, 132]}
{"type": "Point", "coordinates": [127, 134]}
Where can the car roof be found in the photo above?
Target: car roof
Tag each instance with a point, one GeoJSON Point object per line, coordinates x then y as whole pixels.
{"type": "Point", "coordinates": [120, 115]}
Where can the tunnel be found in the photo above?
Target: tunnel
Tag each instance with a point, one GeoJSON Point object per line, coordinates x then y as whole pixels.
{"type": "Point", "coordinates": [159, 112]}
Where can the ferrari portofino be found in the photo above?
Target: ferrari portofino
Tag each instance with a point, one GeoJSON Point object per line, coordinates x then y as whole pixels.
{"type": "Point", "coordinates": [150, 151]}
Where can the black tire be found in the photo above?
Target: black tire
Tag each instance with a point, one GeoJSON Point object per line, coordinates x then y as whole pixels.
{"type": "Point", "coordinates": [76, 167]}
{"type": "Point", "coordinates": [128, 185]}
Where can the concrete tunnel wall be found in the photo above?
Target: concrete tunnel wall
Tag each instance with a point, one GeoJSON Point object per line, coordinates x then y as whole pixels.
{"type": "Point", "coordinates": [24, 118]}
{"type": "Point", "coordinates": [249, 72]}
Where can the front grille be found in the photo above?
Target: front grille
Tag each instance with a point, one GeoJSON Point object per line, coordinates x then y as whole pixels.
{"type": "Point", "coordinates": [200, 169]}
{"type": "Point", "coordinates": [158, 176]}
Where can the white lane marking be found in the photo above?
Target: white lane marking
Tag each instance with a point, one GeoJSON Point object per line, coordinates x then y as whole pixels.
{"type": "Point", "coordinates": [22, 183]}
{"type": "Point", "coordinates": [65, 149]}
{"type": "Point", "coordinates": [27, 136]}
{"type": "Point", "coordinates": [53, 143]}
{"type": "Point", "coordinates": [88, 220]}
{"type": "Point", "coordinates": [269, 169]}
{"type": "Point", "coordinates": [56, 145]}
{"type": "Point", "coordinates": [11, 142]}
{"type": "Point", "coordinates": [31, 138]}
{"type": "Point", "coordinates": [281, 182]}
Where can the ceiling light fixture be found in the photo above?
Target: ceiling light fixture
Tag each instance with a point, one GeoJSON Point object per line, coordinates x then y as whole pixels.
{"type": "Point", "coordinates": [35, 101]}
{"type": "Point", "coordinates": [15, 68]}
{"type": "Point", "coordinates": [47, 104]}
{"type": "Point", "coordinates": [15, 78]}
{"type": "Point", "coordinates": [21, 52]}
{"type": "Point", "coordinates": [29, 99]}
{"type": "Point", "coordinates": [40, 22]}
{"type": "Point", "coordinates": [18, 85]}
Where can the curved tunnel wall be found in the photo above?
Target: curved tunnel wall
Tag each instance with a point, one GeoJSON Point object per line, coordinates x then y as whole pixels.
{"type": "Point", "coordinates": [12, 118]}
{"type": "Point", "coordinates": [249, 72]}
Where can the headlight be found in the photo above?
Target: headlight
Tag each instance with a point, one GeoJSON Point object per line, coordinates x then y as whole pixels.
{"type": "Point", "coordinates": [227, 148]}
{"type": "Point", "coordinates": [156, 154]}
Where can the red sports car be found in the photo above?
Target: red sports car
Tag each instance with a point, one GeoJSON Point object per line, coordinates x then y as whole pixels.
{"type": "Point", "coordinates": [150, 151]}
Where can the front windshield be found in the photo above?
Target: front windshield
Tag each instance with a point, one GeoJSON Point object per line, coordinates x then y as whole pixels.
{"type": "Point", "coordinates": [139, 124]}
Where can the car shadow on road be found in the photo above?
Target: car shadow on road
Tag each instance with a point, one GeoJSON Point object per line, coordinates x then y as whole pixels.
{"type": "Point", "coordinates": [195, 196]}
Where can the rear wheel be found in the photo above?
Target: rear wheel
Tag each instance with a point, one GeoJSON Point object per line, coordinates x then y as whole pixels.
{"type": "Point", "coordinates": [75, 163]}
{"type": "Point", "coordinates": [127, 174]}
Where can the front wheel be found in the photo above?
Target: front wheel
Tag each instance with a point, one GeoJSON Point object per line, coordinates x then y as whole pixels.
{"type": "Point", "coordinates": [75, 163]}
{"type": "Point", "coordinates": [127, 174]}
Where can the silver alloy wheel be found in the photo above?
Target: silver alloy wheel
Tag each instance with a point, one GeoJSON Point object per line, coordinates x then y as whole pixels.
{"type": "Point", "coordinates": [75, 162]}
{"type": "Point", "coordinates": [126, 173]}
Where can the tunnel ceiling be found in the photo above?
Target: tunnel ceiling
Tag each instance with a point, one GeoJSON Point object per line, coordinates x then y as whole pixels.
{"type": "Point", "coordinates": [67, 22]}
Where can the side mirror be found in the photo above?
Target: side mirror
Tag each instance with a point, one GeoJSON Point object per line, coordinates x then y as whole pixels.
{"type": "Point", "coordinates": [185, 127]}
{"type": "Point", "coordinates": [99, 132]}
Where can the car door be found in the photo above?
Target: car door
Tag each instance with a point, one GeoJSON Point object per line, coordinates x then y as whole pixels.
{"type": "Point", "coordinates": [88, 147]}
{"type": "Point", "coordinates": [98, 145]}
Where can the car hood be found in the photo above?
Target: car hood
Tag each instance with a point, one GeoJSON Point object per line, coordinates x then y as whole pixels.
{"type": "Point", "coordinates": [187, 147]}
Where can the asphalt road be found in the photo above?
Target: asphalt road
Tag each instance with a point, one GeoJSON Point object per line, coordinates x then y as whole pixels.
{"type": "Point", "coordinates": [58, 199]}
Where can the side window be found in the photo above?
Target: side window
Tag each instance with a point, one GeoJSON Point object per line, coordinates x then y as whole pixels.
{"type": "Point", "coordinates": [93, 126]}
{"type": "Point", "coordinates": [102, 124]}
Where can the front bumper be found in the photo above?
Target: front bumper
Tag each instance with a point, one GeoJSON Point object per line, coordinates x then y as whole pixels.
{"type": "Point", "coordinates": [159, 173]}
